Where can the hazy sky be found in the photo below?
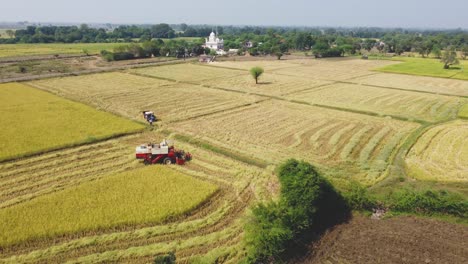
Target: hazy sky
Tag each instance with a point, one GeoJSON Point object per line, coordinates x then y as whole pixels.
{"type": "Point", "coordinates": [393, 13]}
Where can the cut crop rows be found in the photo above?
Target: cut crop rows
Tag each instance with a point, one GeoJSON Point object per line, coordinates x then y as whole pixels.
{"type": "Point", "coordinates": [128, 95]}
{"type": "Point", "coordinates": [441, 154]}
{"type": "Point", "coordinates": [384, 101]}
{"type": "Point", "coordinates": [212, 227]}
{"type": "Point", "coordinates": [275, 130]}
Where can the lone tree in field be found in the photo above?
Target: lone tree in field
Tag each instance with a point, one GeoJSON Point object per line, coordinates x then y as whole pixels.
{"type": "Point", "coordinates": [449, 57]}
{"type": "Point", "coordinates": [256, 72]}
{"type": "Point", "coordinates": [464, 51]}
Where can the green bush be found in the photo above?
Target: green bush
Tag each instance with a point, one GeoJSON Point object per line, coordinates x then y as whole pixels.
{"type": "Point", "coordinates": [429, 202]}
{"type": "Point", "coordinates": [308, 204]}
{"type": "Point", "coordinates": [267, 233]}
{"type": "Point", "coordinates": [169, 258]}
{"type": "Point", "coordinates": [358, 198]}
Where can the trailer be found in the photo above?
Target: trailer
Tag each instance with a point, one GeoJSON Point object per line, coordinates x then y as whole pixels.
{"type": "Point", "coordinates": [163, 153]}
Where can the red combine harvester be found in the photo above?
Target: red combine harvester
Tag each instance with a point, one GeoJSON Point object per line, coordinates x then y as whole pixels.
{"type": "Point", "coordinates": [164, 153]}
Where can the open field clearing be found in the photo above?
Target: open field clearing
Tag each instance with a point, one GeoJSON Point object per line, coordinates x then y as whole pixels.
{"type": "Point", "coordinates": [395, 240]}
{"type": "Point", "coordinates": [275, 130]}
{"type": "Point", "coordinates": [128, 95]}
{"type": "Point", "coordinates": [14, 50]}
{"type": "Point", "coordinates": [427, 67]}
{"type": "Point", "coordinates": [211, 231]}
{"type": "Point", "coordinates": [411, 105]}
{"type": "Point", "coordinates": [269, 84]}
{"type": "Point", "coordinates": [416, 83]}
{"type": "Point", "coordinates": [188, 72]}
{"type": "Point", "coordinates": [35, 121]}
{"type": "Point", "coordinates": [441, 154]}
{"type": "Point", "coordinates": [331, 69]}
{"type": "Point", "coordinates": [147, 195]}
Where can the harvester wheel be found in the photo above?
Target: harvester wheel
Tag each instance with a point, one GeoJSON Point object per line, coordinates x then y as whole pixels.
{"type": "Point", "coordinates": [167, 161]}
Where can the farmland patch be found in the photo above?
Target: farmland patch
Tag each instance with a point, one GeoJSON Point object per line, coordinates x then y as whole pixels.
{"type": "Point", "coordinates": [276, 130]}
{"type": "Point", "coordinates": [128, 95]}
{"type": "Point", "coordinates": [441, 154]}
{"type": "Point", "coordinates": [417, 83]}
{"type": "Point", "coordinates": [383, 101]}
{"type": "Point", "coordinates": [150, 194]}
{"type": "Point", "coordinates": [188, 72]}
{"type": "Point", "coordinates": [35, 121]}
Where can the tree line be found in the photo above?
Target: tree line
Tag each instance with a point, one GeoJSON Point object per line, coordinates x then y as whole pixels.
{"type": "Point", "coordinates": [155, 48]}
{"type": "Point", "coordinates": [328, 42]}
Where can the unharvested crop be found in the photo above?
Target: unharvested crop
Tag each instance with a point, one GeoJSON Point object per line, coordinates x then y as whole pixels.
{"type": "Point", "coordinates": [35, 121]}
{"type": "Point", "coordinates": [147, 195]}
{"type": "Point", "coordinates": [214, 225]}
{"type": "Point", "coordinates": [441, 154]}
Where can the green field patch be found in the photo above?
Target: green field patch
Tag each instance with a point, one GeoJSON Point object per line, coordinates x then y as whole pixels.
{"type": "Point", "coordinates": [15, 50]}
{"type": "Point", "coordinates": [147, 195]}
{"type": "Point", "coordinates": [34, 121]}
{"type": "Point", "coordinates": [427, 67]}
{"type": "Point", "coordinates": [463, 111]}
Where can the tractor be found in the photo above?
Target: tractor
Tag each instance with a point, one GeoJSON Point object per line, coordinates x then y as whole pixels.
{"type": "Point", "coordinates": [164, 153]}
{"type": "Point", "coordinates": [149, 116]}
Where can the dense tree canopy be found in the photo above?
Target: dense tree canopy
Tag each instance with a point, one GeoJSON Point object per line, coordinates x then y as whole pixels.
{"type": "Point", "coordinates": [262, 40]}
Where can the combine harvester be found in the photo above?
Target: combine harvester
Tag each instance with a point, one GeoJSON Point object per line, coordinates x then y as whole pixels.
{"type": "Point", "coordinates": [164, 153]}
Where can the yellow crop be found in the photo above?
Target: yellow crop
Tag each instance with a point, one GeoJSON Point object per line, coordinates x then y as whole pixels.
{"type": "Point", "coordinates": [148, 195]}
{"type": "Point", "coordinates": [34, 121]}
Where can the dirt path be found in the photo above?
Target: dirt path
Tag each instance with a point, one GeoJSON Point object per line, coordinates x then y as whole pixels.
{"type": "Point", "coordinates": [394, 240]}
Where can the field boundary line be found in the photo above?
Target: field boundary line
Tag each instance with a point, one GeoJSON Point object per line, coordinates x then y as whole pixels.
{"type": "Point", "coordinates": [310, 88]}
{"type": "Point", "coordinates": [78, 144]}
{"type": "Point", "coordinates": [216, 149]}
{"type": "Point", "coordinates": [91, 71]}
{"type": "Point", "coordinates": [401, 118]}
{"type": "Point", "coordinates": [421, 75]}
{"type": "Point", "coordinates": [401, 89]}
{"type": "Point", "coordinates": [217, 112]}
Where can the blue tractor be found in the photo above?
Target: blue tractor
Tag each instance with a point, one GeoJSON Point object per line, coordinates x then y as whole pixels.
{"type": "Point", "coordinates": [149, 116]}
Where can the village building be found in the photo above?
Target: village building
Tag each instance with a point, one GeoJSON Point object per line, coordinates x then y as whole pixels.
{"type": "Point", "coordinates": [215, 43]}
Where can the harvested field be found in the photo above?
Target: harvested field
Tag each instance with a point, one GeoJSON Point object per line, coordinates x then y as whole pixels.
{"type": "Point", "coordinates": [416, 83]}
{"type": "Point", "coordinates": [247, 65]}
{"type": "Point", "coordinates": [411, 105]}
{"type": "Point", "coordinates": [128, 95]}
{"type": "Point", "coordinates": [441, 154]}
{"type": "Point", "coordinates": [188, 72]}
{"type": "Point", "coordinates": [237, 133]}
{"type": "Point", "coordinates": [212, 229]}
{"type": "Point", "coordinates": [395, 240]}
{"type": "Point", "coordinates": [276, 130]}
{"type": "Point", "coordinates": [269, 84]}
{"type": "Point", "coordinates": [34, 121]}
{"type": "Point", "coordinates": [146, 195]}
{"type": "Point", "coordinates": [332, 69]}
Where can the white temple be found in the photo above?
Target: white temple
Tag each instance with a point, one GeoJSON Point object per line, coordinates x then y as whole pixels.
{"type": "Point", "coordinates": [214, 43]}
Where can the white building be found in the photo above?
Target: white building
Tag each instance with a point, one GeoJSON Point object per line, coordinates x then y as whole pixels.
{"type": "Point", "coordinates": [214, 43]}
